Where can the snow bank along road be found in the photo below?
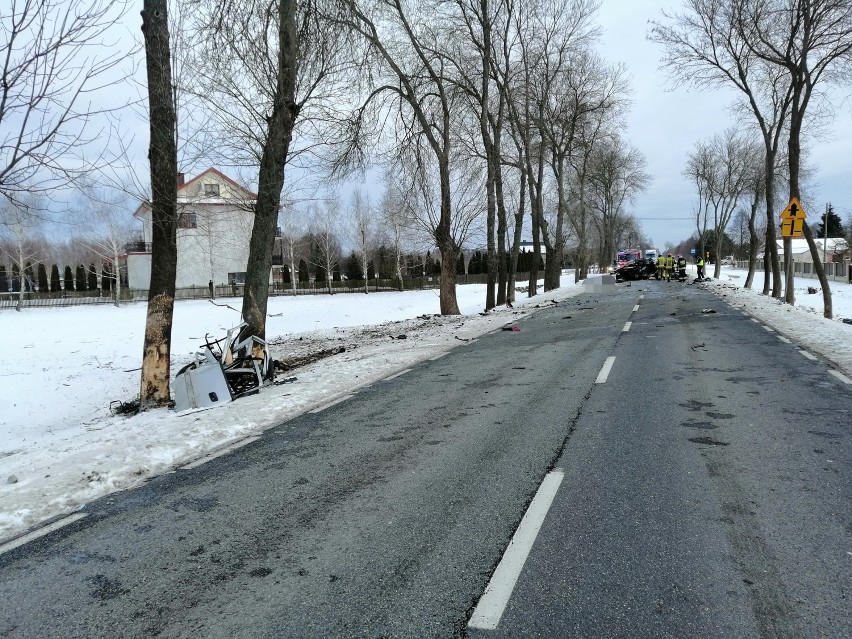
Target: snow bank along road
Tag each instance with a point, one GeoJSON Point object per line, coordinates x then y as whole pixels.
{"type": "Point", "coordinates": [678, 473]}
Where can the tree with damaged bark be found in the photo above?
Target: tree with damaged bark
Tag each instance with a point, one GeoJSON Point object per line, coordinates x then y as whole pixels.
{"type": "Point", "coordinates": [811, 42]}
{"type": "Point", "coordinates": [163, 158]}
{"type": "Point", "coordinates": [51, 60]}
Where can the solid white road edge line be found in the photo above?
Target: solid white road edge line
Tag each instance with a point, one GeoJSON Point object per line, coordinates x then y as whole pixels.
{"type": "Point", "coordinates": [395, 375]}
{"type": "Point", "coordinates": [493, 602]}
{"type": "Point", "coordinates": [784, 339]}
{"type": "Point", "coordinates": [769, 328]}
{"type": "Point", "coordinates": [330, 404]}
{"type": "Point", "coordinates": [635, 308]}
{"type": "Point", "coordinates": [219, 453]}
{"type": "Point", "coordinates": [755, 320]}
{"type": "Point", "coordinates": [432, 359]}
{"type": "Point", "coordinates": [841, 377]}
{"type": "Point", "coordinates": [626, 327]}
{"type": "Point", "coordinates": [41, 532]}
{"type": "Point", "coordinates": [607, 367]}
{"type": "Point", "coordinates": [808, 355]}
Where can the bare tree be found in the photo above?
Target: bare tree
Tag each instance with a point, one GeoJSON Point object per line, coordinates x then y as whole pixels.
{"type": "Point", "coordinates": [54, 55]}
{"type": "Point", "coordinates": [547, 32]}
{"type": "Point", "coordinates": [811, 42]}
{"type": "Point", "coordinates": [733, 157]}
{"type": "Point", "coordinates": [291, 240]}
{"type": "Point", "coordinates": [615, 178]}
{"type": "Point", "coordinates": [20, 227]}
{"type": "Point", "coordinates": [411, 68]}
{"type": "Point", "coordinates": [263, 67]}
{"type": "Point", "coordinates": [164, 216]}
{"type": "Point", "coordinates": [586, 93]}
{"type": "Point", "coordinates": [325, 231]}
{"type": "Point", "coordinates": [107, 225]}
{"type": "Point", "coordinates": [363, 225]}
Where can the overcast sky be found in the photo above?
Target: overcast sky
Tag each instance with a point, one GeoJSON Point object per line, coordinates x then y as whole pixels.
{"type": "Point", "coordinates": [665, 124]}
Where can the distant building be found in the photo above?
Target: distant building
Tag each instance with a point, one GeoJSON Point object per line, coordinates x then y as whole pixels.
{"type": "Point", "coordinates": [836, 249]}
{"type": "Point", "coordinates": [214, 229]}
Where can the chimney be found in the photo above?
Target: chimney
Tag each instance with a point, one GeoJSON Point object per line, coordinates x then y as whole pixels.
{"type": "Point", "coordinates": [180, 181]}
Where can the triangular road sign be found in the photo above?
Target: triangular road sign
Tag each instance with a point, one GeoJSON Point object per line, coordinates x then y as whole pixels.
{"type": "Point", "coordinates": [794, 210]}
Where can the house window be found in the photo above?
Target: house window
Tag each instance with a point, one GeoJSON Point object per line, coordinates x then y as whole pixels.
{"type": "Point", "coordinates": [188, 220]}
{"type": "Point", "coordinates": [211, 189]}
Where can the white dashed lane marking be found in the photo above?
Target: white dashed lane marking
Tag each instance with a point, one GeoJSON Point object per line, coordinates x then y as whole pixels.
{"type": "Point", "coordinates": [493, 602]}
{"type": "Point", "coordinates": [604, 374]}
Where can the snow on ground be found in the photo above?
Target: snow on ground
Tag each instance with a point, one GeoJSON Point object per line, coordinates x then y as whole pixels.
{"type": "Point", "coordinates": [60, 447]}
{"type": "Point", "coordinates": [803, 323]}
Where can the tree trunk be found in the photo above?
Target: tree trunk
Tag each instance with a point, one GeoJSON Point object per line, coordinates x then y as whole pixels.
{"type": "Point", "coordinates": [753, 244]}
{"type": "Point", "coordinates": [271, 176]}
{"type": "Point", "coordinates": [795, 152]}
{"type": "Point", "coordinates": [163, 157]}
{"type": "Point", "coordinates": [449, 250]}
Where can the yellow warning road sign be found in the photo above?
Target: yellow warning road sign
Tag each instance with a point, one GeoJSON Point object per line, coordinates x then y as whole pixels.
{"type": "Point", "coordinates": [792, 219]}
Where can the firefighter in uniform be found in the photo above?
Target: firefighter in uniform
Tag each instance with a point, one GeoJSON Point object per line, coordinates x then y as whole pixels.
{"type": "Point", "coordinates": [669, 266]}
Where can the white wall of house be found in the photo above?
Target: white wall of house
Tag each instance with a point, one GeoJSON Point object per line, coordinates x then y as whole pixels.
{"type": "Point", "coordinates": [212, 237]}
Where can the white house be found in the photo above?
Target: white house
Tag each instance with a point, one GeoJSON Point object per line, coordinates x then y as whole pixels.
{"type": "Point", "coordinates": [834, 248]}
{"type": "Point", "coordinates": [214, 229]}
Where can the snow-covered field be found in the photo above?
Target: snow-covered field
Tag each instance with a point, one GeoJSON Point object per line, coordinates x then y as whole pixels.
{"type": "Point", "coordinates": [60, 447]}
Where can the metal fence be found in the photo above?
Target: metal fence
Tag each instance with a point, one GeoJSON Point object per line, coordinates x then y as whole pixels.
{"type": "Point", "coordinates": [79, 298]}
{"type": "Point", "coordinates": [834, 271]}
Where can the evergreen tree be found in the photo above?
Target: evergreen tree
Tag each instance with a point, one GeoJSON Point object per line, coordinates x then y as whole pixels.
{"type": "Point", "coordinates": [69, 279]}
{"type": "Point", "coordinates": [16, 278]}
{"type": "Point", "coordinates": [304, 274]}
{"type": "Point", "coordinates": [835, 226]}
{"type": "Point", "coordinates": [92, 278]}
{"type": "Point", "coordinates": [429, 263]}
{"type": "Point", "coordinates": [29, 277]}
{"type": "Point", "coordinates": [371, 271]}
{"type": "Point", "coordinates": [460, 264]}
{"type": "Point", "coordinates": [475, 265]}
{"type": "Point", "coordinates": [335, 273]}
{"type": "Point", "coordinates": [55, 286]}
{"type": "Point", "coordinates": [80, 277]}
{"type": "Point", "coordinates": [285, 275]}
{"type": "Point", "coordinates": [42, 279]}
{"type": "Point", "coordinates": [319, 275]}
{"type": "Point", "coordinates": [4, 281]}
{"type": "Point", "coordinates": [353, 269]}
{"type": "Point", "coordinates": [106, 276]}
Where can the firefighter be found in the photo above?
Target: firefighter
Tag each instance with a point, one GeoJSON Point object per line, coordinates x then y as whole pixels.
{"type": "Point", "coordinates": [661, 268]}
{"type": "Point", "coordinates": [700, 266]}
{"type": "Point", "coordinates": [669, 265]}
{"type": "Point", "coordinates": [681, 267]}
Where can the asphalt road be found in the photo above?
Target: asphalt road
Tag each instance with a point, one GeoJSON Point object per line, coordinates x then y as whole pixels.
{"type": "Point", "coordinates": [705, 493]}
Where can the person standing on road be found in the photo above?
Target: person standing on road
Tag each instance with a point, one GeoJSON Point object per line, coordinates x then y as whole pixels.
{"type": "Point", "coordinates": [700, 266]}
{"type": "Point", "coordinates": [681, 268]}
{"type": "Point", "coordinates": [669, 266]}
{"type": "Point", "coordinates": [661, 269]}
